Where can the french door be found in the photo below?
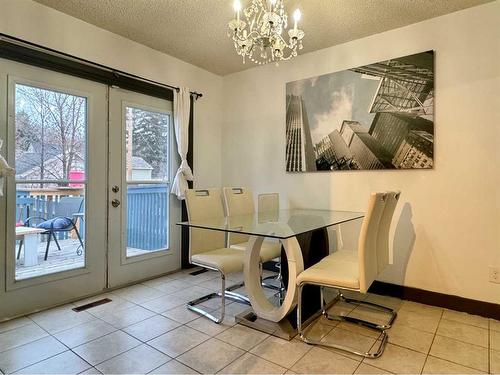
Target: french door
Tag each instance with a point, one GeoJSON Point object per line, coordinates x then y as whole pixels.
{"type": "Point", "coordinates": [89, 207]}
{"type": "Point", "coordinates": [52, 226]}
{"type": "Point", "coordinates": [143, 238]}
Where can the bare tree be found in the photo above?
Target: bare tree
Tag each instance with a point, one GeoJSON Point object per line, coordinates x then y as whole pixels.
{"type": "Point", "coordinates": [58, 122]}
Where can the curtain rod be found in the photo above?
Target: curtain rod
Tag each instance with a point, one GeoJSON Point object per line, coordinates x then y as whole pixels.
{"type": "Point", "coordinates": [116, 72]}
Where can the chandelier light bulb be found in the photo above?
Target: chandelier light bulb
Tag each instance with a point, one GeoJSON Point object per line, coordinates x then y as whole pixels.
{"type": "Point", "coordinates": [237, 6]}
{"type": "Point", "coordinates": [297, 15]}
{"type": "Point", "coordinates": [296, 18]}
{"type": "Point", "coordinates": [237, 9]}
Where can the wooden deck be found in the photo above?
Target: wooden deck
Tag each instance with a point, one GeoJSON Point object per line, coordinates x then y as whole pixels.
{"type": "Point", "coordinates": [58, 261]}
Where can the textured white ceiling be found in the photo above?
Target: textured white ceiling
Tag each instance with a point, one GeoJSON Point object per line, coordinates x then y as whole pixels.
{"type": "Point", "coordinates": [195, 30]}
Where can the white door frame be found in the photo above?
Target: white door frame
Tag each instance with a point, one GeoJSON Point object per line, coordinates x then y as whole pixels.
{"type": "Point", "coordinates": [123, 270]}
{"type": "Point", "coordinates": [18, 297]}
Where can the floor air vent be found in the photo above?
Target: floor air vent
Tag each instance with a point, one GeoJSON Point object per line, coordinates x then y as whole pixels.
{"type": "Point", "coordinates": [91, 304]}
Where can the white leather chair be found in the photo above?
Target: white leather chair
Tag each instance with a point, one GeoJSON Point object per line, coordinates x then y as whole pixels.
{"type": "Point", "coordinates": [239, 201]}
{"type": "Point", "coordinates": [268, 202]}
{"type": "Point", "coordinates": [207, 249]}
{"type": "Point", "coordinates": [355, 271]}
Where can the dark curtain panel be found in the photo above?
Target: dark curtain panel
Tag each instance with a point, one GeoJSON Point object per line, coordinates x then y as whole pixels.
{"type": "Point", "coordinates": [184, 216]}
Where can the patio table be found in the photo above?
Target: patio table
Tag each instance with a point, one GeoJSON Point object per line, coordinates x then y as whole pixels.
{"type": "Point", "coordinates": [31, 241]}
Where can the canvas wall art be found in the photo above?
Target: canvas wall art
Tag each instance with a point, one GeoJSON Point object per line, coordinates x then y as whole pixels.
{"type": "Point", "coordinates": [378, 116]}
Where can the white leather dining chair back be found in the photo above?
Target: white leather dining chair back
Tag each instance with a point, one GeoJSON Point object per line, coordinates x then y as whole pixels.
{"type": "Point", "coordinates": [384, 229]}
{"type": "Point", "coordinates": [238, 201]}
{"type": "Point", "coordinates": [204, 204]}
{"type": "Point", "coordinates": [207, 250]}
{"type": "Point", "coordinates": [367, 246]}
{"type": "Point", "coordinates": [268, 202]}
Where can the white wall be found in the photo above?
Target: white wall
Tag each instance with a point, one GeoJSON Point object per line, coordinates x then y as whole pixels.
{"type": "Point", "coordinates": [447, 226]}
{"type": "Point", "coordinates": [39, 24]}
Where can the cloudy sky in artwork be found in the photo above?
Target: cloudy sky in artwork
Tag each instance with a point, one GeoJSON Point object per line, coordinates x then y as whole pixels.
{"type": "Point", "coordinates": [332, 98]}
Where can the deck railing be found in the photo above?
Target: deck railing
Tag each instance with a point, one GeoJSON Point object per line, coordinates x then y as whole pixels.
{"type": "Point", "coordinates": [147, 217]}
{"type": "Point", "coordinates": [147, 214]}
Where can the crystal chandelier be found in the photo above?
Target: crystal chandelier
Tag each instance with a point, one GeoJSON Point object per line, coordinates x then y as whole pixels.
{"type": "Point", "coordinates": [260, 36]}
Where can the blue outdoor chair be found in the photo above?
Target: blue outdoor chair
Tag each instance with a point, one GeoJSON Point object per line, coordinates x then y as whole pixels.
{"type": "Point", "coordinates": [62, 222]}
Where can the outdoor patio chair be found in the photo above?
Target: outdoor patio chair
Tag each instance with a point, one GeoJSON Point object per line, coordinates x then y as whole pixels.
{"type": "Point", "coordinates": [64, 221]}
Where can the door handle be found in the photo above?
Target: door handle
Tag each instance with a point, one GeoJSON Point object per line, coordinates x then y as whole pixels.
{"type": "Point", "coordinates": [115, 202]}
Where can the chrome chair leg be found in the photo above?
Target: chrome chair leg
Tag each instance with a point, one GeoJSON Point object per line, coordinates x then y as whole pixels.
{"type": "Point", "coordinates": [375, 353]}
{"type": "Point", "coordinates": [392, 314]}
{"type": "Point", "coordinates": [191, 305]}
{"type": "Point", "coordinates": [278, 278]}
{"type": "Point", "coordinates": [223, 294]}
{"type": "Point", "coordinates": [236, 296]}
{"type": "Point", "coordinates": [280, 289]}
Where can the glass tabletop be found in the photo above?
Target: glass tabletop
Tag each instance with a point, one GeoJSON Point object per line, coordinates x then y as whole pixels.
{"type": "Point", "coordinates": [276, 224]}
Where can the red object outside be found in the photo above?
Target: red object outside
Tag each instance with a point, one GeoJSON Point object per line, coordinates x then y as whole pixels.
{"type": "Point", "coordinates": [76, 176]}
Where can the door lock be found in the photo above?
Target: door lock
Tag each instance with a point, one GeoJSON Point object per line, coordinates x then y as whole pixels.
{"type": "Point", "coordinates": [115, 189]}
{"type": "Point", "coordinates": [115, 202]}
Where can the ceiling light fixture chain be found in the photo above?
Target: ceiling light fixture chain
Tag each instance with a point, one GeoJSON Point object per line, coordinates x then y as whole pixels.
{"type": "Point", "coordinates": [259, 37]}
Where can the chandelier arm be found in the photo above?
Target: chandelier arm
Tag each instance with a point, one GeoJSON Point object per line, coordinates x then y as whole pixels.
{"type": "Point", "coordinates": [239, 38]}
{"type": "Point", "coordinates": [262, 31]}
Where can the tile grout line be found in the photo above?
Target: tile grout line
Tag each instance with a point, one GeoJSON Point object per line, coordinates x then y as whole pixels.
{"type": "Point", "coordinates": [171, 358]}
{"type": "Point", "coordinates": [11, 329]}
{"type": "Point", "coordinates": [52, 356]}
{"type": "Point", "coordinates": [248, 351]}
{"type": "Point", "coordinates": [117, 329]}
{"type": "Point", "coordinates": [213, 337]}
{"type": "Point", "coordinates": [297, 361]}
{"type": "Point", "coordinates": [94, 366]}
{"type": "Point", "coordinates": [432, 342]}
{"type": "Point", "coordinates": [140, 341]}
{"type": "Point", "coordinates": [489, 346]}
{"type": "Point", "coordinates": [28, 342]}
{"type": "Point", "coordinates": [463, 342]}
{"type": "Point", "coordinates": [71, 349]}
{"type": "Point", "coordinates": [466, 324]}
{"type": "Point", "coordinates": [447, 337]}
{"type": "Point", "coordinates": [363, 359]}
{"type": "Point", "coordinates": [186, 326]}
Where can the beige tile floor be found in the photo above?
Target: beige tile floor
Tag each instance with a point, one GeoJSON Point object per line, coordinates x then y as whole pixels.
{"type": "Point", "coordinates": [147, 329]}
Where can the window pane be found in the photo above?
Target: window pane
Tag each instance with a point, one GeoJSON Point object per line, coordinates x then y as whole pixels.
{"type": "Point", "coordinates": [49, 217]}
{"type": "Point", "coordinates": [147, 218]}
{"type": "Point", "coordinates": [147, 145]}
{"type": "Point", "coordinates": [50, 134]}
{"type": "Point", "coordinates": [50, 128]}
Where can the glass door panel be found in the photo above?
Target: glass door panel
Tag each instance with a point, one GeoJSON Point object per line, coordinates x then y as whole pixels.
{"type": "Point", "coordinates": [143, 237]}
{"type": "Point", "coordinates": [147, 153]}
{"type": "Point", "coordinates": [147, 218]}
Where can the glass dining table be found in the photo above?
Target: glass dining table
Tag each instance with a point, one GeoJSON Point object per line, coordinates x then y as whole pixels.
{"type": "Point", "coordinates": [304, 238]}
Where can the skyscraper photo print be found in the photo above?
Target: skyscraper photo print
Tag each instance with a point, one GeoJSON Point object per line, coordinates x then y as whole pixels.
{"type": "Point", "coordinates": [377, 116]}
